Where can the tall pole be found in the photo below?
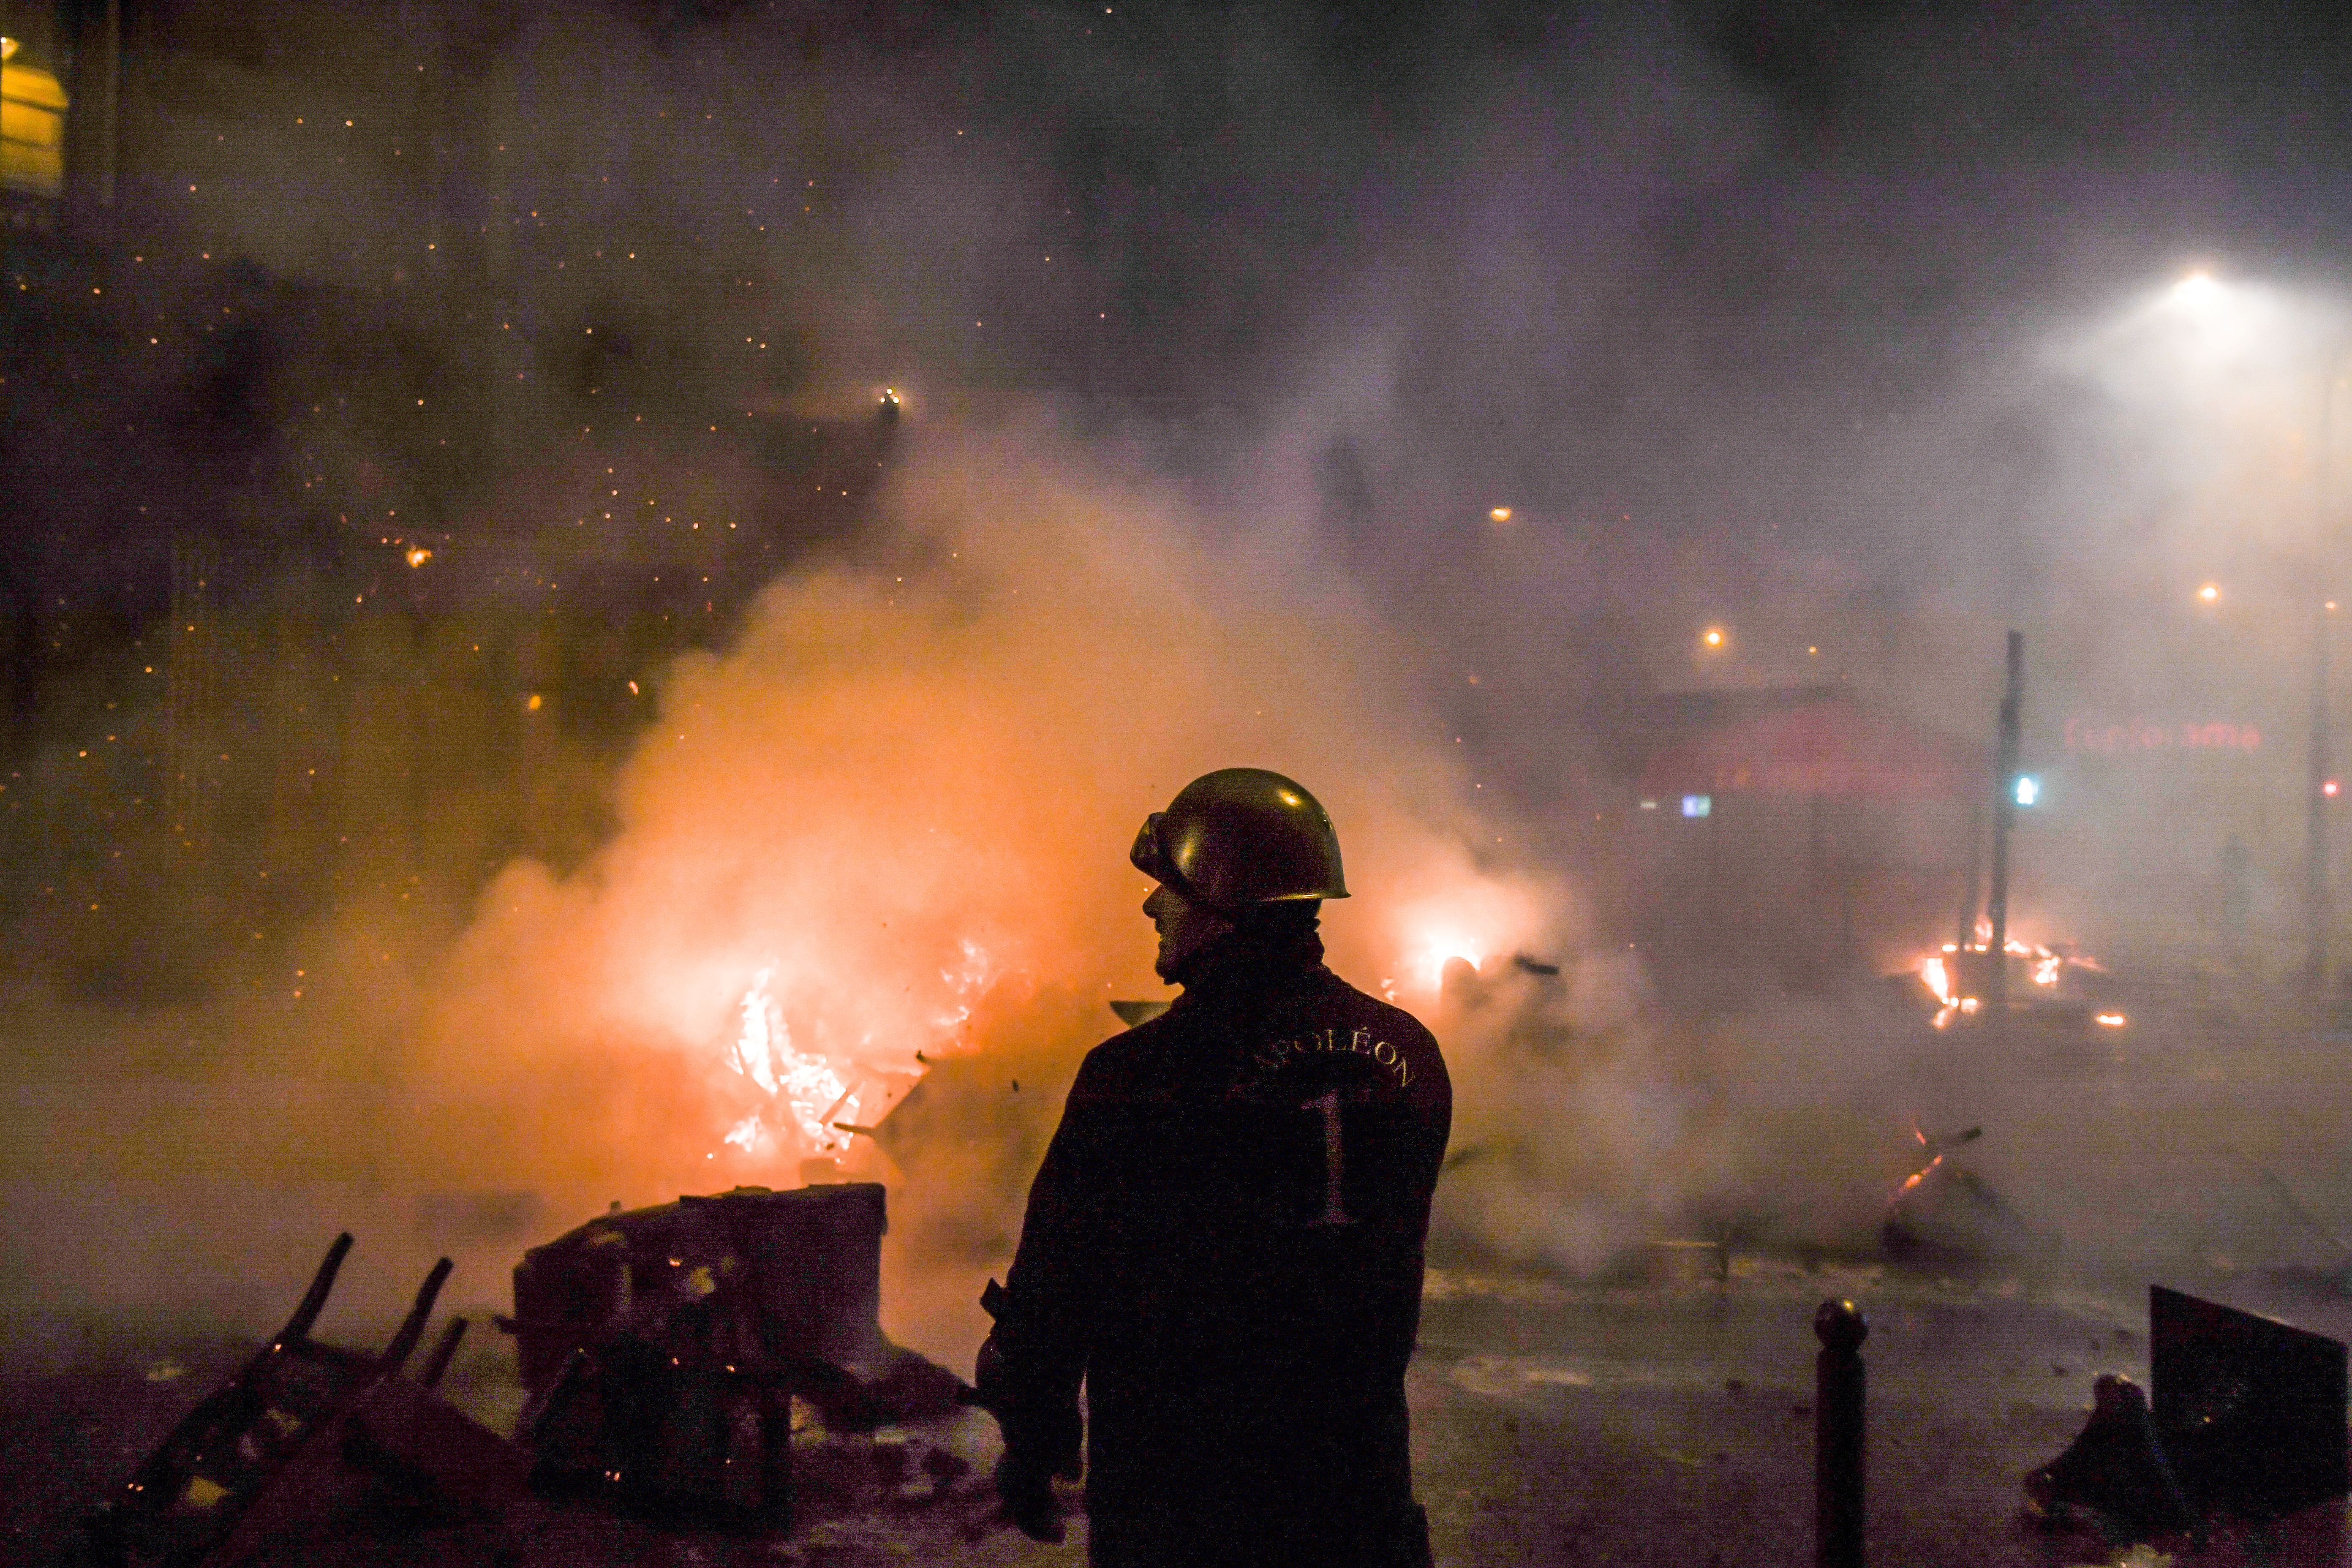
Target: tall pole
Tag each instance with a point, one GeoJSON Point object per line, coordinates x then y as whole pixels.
{"type": "Point", "coordinates": [2314, 859]}
{"type": "Point", "coordinates": [2004, 817]}
{"type": "Point", "coordinates": [1967, 921]}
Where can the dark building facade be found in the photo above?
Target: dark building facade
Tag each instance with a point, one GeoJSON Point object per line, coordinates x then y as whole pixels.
{"type": "Point", "coordinates": [358, 485]}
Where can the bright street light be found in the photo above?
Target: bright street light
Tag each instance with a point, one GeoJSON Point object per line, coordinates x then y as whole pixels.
{"type": "Point", "coordinates": [2200, 290]}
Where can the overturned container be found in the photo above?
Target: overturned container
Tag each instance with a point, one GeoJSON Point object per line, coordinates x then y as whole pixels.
{"type": "Point", "coordinates": [662, 1348]}
{"type": "Point", "coordinates": [800, 1271]}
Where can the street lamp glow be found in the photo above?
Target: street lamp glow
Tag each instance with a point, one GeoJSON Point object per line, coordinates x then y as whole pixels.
{"type": "Point", "coordinates": [2209, 594]}
{"type": "Point", "coordinates": [2199, 291]}
{"type": "Point", "coordinates": [1498, 514]}
{"type": "Point", "coordinates": [1714, 637]}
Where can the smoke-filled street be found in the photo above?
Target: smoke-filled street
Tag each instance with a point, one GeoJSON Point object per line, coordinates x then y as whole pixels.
{"type": "Point", "coordinates": [593, 593]}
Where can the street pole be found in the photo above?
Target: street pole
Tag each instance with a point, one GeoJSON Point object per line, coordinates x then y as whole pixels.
{"type": "Point", "coordinates": [1967, 922]}
{"type": "Point", "coordinates": [2314, 859]}
{"type": "Point", "coordinates": [2004, 817]}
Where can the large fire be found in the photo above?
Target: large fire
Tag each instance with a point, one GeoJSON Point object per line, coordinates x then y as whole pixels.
{"type": "Point", "coordinates": [797, 1085]}
{"type": "Point", "coordinates": [814, 1089]}
{"type": "Point", "coordinates": [885, 826]}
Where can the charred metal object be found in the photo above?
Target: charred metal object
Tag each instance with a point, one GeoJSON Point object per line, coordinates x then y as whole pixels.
{"type": "Point", "coordinates": [2248, 1419]}
{"type": "Point", "coordinates": [2115, 1477]}
{"type": "Point", "coordinates": [264, 1457]}
{"type": "Point", "coordinates": [662, 1349]}
{"type": "Point", "coordinates": [2252, 1411]}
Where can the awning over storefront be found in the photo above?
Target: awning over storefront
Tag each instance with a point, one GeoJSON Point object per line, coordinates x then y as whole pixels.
{"type": "Point", "coordinates": [1816, 741]}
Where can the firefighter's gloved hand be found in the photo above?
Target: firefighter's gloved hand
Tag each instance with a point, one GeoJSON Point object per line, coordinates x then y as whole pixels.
{"type": "Point", "coordinates": [991, 1378]}
{"type": "Point", "coordinates": [1027, 1490]}
{"type": "Point", "coordinates": [1050, 1432]}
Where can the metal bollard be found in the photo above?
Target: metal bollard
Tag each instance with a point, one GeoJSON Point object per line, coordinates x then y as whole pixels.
{"type": "Point", "coordinates": [1838, 1434]}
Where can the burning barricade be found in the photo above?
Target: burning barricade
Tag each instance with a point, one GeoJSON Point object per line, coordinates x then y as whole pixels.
{"type": "Point", "coordinates": [2061, 991]}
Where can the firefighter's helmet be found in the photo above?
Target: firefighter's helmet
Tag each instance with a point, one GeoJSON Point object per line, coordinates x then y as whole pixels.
{"type": "Point", "coordinates": [1240, 837]}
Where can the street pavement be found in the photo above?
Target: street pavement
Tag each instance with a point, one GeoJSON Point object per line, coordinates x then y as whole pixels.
{"type": "Point", "coordinates": [1555, 1423]}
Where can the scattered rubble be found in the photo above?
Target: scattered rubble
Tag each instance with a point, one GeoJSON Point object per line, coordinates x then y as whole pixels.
{"type": "Point", "coordinates": [298, 1438]}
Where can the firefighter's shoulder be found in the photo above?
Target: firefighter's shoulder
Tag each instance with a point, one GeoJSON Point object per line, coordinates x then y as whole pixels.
{"type": "Point", "coordinates": [1371, 1012]}
{"type": "Point", "coordinates": [1340, 1021]}
{"type": "Point", "coordinates": [1117, 1059]}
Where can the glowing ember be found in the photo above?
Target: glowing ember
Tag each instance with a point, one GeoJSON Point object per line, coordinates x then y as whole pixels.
{"type": "Point", "coordinates": [419, 556]}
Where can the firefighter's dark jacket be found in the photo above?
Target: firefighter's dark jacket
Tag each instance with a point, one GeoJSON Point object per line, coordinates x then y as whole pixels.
{"type": "Point", "coordinates": [1225, 1243]}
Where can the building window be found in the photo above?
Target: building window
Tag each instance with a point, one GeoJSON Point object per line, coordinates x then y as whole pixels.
{"type": "Point", "coordinates": [32, 112]}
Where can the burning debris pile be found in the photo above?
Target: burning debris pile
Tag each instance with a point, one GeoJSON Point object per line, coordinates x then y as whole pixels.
{"type": "Point", "coordinates": [1944, 1213]}
{"type": "Point", "coordinates": [2048, 986]}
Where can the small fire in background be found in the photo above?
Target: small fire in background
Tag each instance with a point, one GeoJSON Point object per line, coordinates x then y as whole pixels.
{"type": "Point", "coordinates": [1952, 973]}
{"type": "Point", "coordinates": [1474, 920]}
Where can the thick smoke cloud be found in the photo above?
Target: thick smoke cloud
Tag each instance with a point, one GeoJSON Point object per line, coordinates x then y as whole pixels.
{"type": "Point", "coordinates": [903, 796]}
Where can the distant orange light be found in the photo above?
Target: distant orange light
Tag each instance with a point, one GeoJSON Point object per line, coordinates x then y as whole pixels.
{"type": "Point", "coordinates": [1498, 514]}
{"type": "Point", "coordinates": [1713, 637]}
{"type": "Point", "coordinates": [2331, 789]}
{"type": "Point", "coordinates": [2210, 593]}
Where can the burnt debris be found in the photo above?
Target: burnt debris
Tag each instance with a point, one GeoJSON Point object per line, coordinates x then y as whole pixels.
{"type": "Point", "coordinates": [298, 1439]}
{"type": "Point", "coordinates": [663, 1349]}
{"type": "Point", "coordinates": [2248, 1421]}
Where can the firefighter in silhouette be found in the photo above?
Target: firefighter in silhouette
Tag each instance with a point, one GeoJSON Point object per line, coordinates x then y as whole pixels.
{"type": "Point", "coordinates": [1224, 1240]}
